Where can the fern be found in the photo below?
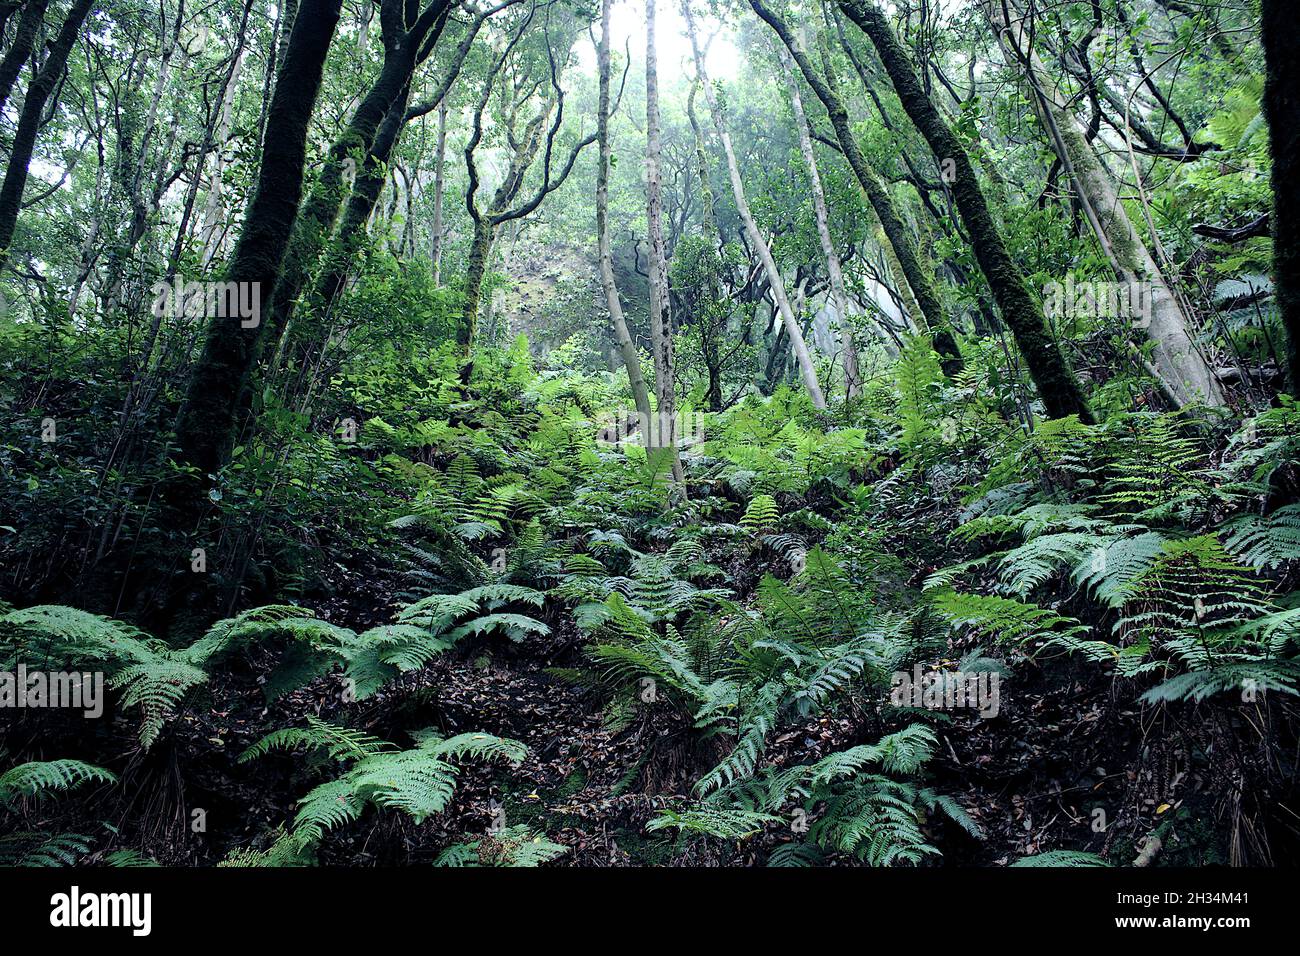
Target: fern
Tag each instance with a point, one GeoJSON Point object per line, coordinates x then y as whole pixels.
{"type": "Point", "coordinates": [516, 846]}
{"type": "Point", "coordinates": [285, 850]}
{"type": "Point", "coordinates": [39, 778]}
{"type": "Point", "coordinates": [761, 514]}
{"type": "Point", "coordinates": [725, 823]}
{"type": "Point", "coordinates": [418, 782]}
{"type": "Point", "coordinates": [35, 849]}
{"type": "Point", "coordinates": [1005, 620]}
{"type": "Point", "coordinates": [1265, 542]}
{"type": "Point", "coordinates": [920, 381]}
{"type": "Point", "coordinates": [872, 816]}
{"type": "Point", "coordinates": [1061, 858]}
{"type": "Point", "coordinates": [340, 743]}
{"type": "Point", "coordinates": [451, 617]}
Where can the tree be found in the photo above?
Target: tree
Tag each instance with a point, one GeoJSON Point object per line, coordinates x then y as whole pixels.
{"type": "Point", "coordinates": [1058, 387]}
{"type": "Point", "coordinates": [626, 348]}
{"type": "Point", "coordinates": [1180, 363]}
{"type": "Point", "coordinates": [231, 350]}
{"type": "Point", "coordinates": [1282, 107]}
{"type": "Point", "coordinates": [661, 326]}
{"type": "Point", "coordinates": [838, 297]}
{"type": "Point", "coordinates": [793, 332]}
{"type": "Point", "coordinates": [536, 138]}
{"type": "Point", "coordinates": [350, 235]}
{"type": "Point", "coordinates": [904, 250]}
{"type": "Point", "coordinates": [40, 89]}
{"type": "Point", "coordinates": [439, 188]}
{"type": "Point", "coordinates": [29, 24]}
{"type": "Point", "coordinates": [409, 34]}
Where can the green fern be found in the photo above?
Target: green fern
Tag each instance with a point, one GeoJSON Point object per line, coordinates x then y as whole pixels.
{"type": "Point", "coordinates": [39, 778]}
{"type": "Point", "coordinates": [516, 846]}
{"type": "Point", "coordinates": [725, 823]}
{"type": "Point", "coordinates": [418, 782]}
{"type": "Point", "coordinates": [1061, 858]}
{"type": "Point", "coordinates": [761, 514]}
{"type": "Point", "coordinates": [35, 849]}
{"type": "Point", "coordinates": [1265, 542]}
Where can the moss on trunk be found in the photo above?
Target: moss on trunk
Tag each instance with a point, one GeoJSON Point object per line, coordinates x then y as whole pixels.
{"type": "Point", "coordinates": [1058, 387]}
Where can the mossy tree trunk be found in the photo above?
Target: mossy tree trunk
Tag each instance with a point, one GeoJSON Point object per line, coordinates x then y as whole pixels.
{"type": "Point", "coordinates": [1181, 365]}
{"type": "Point", "coordinates": [29, 24]}
{"type": "Point", "coordinates": [480, 248]}
{"type": "Point", "coordinates": [1058, 387]}
{"type": "Point", "coordinates": [350, 238]}
{"type": "Point", "coordinates": [408, 39]}
{"type": "Point", "coordinates": [1282, 107]}
{"type": "Point", "coordinates": [205, 433]}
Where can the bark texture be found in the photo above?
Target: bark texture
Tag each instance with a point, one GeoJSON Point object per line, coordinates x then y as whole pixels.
{"type": "Point", "coordinates": [1058, 387]}
{"type": "Point", "coordinates": [231, 350]}
{"type": "Point", "coordinates": [1282, 107]}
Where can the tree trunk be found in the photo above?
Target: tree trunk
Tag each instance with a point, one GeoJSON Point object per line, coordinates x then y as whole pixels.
{"type": "Point", "coordinates": [797, 344]}
{"type": "Point", "coordinates": [839, 300]}
{"type": "Point", "coordinates": [1181, 366]}
{"type": "Point", "coordinates": [711, 329]}
{"type": "Point", "coordinates": [626, 348]}
{"type": "Point", "coordinates": [29, 122]}
{"type": "Point", "coordinates": [349, 239]}
{"type": "Point", "coordinates": [439, 185]}
{"type": "Point", "coordinates": [661, 330]}
{"type": "Point", "coordinates": [230, 350]}
{"type": "Point", "coordinates": [1282, 107]}
{"type": "Point", "coordinates": [480, 248]}
{"type": "Point", "coordinates": [525, 149]}
{"type": "Point", "coordinates": [931, 310]}
{"type": "Point", "coordinates": [29, 24]}
{"type": "Point", "coordinates": [214, 210]}
{"type": "Point", "coordinates": [321, 210]}
{"type": "Point", "coordinates": [1058, 387]}
{"type": "Point", "coordinates": [708, 212]}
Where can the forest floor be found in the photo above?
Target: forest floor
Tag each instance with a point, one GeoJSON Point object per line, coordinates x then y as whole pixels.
{"type": "Point", "coordinates": [1033, 776]}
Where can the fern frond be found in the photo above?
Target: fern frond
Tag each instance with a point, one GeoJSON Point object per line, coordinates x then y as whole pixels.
{"type": "Point", "coordinates": [40, 777]}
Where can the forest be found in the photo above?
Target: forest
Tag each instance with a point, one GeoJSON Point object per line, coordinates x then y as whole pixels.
{"type": "Point", "coordinates": [649, 433]}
